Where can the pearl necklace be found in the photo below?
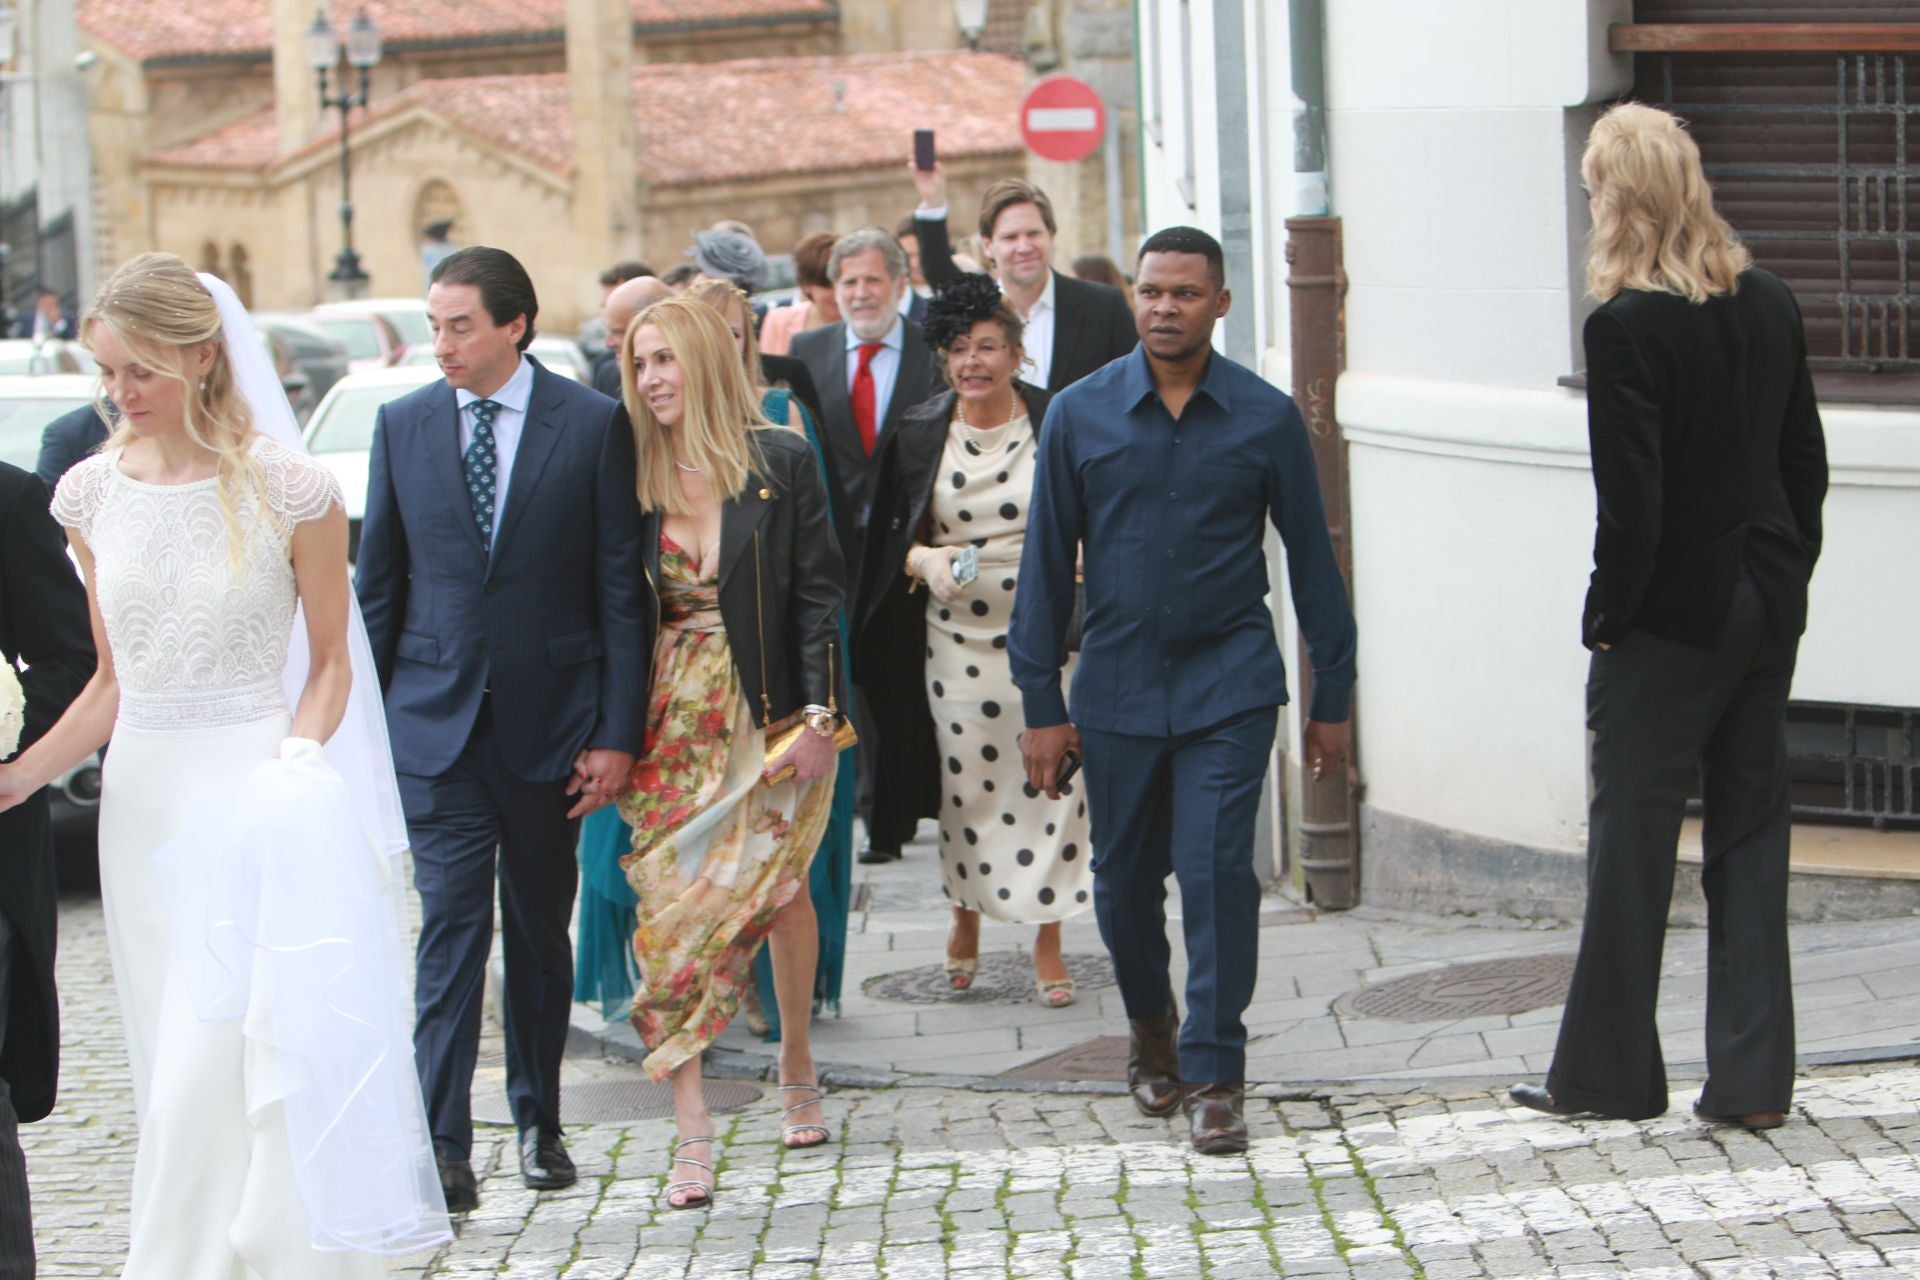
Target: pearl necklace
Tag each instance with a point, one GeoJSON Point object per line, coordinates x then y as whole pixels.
{"type": "Point", "coordinates": [987, 439]}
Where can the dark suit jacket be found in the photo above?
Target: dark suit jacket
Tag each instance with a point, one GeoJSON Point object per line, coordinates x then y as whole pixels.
{"type": "Point", "coordinates": [606, 374]}
{"type": "Point", "coordinates": [43, 623]}
{"type": "Point", "coordinates": [792, 595]}
{"type": "Point", "coordinates": [1708, 460]}
{"type": "Point", "coordinates": [553, 622]}
{"type": "Point", "coordinates": [850, 471]}
{"type": "Point", "coordinates": [889, 619]}
{"type": "Point", "coordinates": [66, 440]}
{"type": "Point", "coordinates": [1092, 323]}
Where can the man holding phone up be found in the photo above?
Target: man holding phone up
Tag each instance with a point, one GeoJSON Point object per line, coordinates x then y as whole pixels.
{"type": "Point", "coordinates": [1166, 466]}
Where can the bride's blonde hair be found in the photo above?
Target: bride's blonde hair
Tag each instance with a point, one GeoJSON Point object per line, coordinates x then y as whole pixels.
{"type": "Point", "coordinates": [158, 309]}
{"type": "Point", "coordinates": [720, 410]}
{"type": "Point", "coordinates": [1654, 224]}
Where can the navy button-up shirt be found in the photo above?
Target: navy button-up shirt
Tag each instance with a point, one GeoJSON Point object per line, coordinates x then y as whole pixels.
{"type": "Point", "coordinates": [1173, 516]}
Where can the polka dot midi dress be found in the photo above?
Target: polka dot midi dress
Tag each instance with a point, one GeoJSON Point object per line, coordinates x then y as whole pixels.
{"type": "Point", "coordinates": [1006, 850]}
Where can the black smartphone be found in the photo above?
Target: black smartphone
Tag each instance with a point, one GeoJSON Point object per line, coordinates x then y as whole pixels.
{"type": "Point", "coordinates": [923, 150]}
{"type": "Point", "coordinates": [1069, 765]}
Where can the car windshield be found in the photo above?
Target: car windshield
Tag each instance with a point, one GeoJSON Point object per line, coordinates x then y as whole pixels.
{"type": "Point", "coordinates": [345, 423]}
{"type": "Point", "coordinates": [22, 421]}
{"type": "Point", "coordinates": [24, 357]}
{"type": "Point", "coordinates": [358, 336]}
{"type": "Point", "coordinates": [412, 326]}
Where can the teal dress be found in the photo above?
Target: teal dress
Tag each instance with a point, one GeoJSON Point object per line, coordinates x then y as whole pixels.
{"type": "Point", "coordinates": [604, 969]}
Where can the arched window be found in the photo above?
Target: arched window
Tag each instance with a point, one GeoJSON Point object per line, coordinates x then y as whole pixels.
{"type": "Point", "coordinates": [240, 273]}
{"type": "Point", "coordinates": [436, 203]}
{"type": "Point", "coordinates": [210, 259]}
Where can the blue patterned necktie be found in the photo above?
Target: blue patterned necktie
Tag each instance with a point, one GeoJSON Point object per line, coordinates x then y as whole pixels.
{"type": "Point", "coordinates": [482, 464]}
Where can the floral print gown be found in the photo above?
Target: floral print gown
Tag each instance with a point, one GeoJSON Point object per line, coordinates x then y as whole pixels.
{"type": "Point", "coordinates": [718, 850]}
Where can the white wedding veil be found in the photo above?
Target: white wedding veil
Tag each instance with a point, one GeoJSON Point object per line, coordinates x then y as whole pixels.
{"type": "Point", "coordinates": [358, 748]}
{"type": "Point", "coordinates": [286, 909]}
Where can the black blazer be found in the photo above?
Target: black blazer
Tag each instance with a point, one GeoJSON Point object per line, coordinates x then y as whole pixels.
{"type": "Point", "coordinates": [43, 622]}
{"type": "Point", "coordinates": [552, 619]}
{"type": "Point", "coordinates": [66, 440]}
{"type": "Point", "coordinates": [1092, 323]}
{"type": "Point", "coordinates": [1708, 460]}
{"type": "Point", "coordinates": [792, 592]}
{"type": "Point", "coordinates": [850, 472]}
{"type": "Point", "coordinates": [889, 619]}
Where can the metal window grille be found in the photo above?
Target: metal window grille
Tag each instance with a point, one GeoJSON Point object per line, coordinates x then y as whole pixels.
{"type": "Point", "coordinates": [1853, 764]}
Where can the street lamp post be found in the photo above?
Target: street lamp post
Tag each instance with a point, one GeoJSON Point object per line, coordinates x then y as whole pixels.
{"type": "Point", "coordinates": [323, 54]}
{"type": "Point", "coordinates": [971, 17]}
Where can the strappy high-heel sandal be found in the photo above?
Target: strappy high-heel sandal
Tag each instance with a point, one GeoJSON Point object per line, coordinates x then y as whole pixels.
{"type": "Point", "coordinates": [787, 1131]}
{"type": "Point", "coordinates": [960, 971]}
{"type": "Point", "coordinates": [705, 1196]}
{"type": "Point", "coordinates": [1055, 993]}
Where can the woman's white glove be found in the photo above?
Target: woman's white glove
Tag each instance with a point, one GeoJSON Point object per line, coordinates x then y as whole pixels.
{"type": "Point", "coordinates": [301, 749]}
{"type": "Point", "coordinates": [934, 566]}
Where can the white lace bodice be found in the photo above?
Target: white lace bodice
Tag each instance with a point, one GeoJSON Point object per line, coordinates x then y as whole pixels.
{"type": "Point", "coordinates": [197, 642]}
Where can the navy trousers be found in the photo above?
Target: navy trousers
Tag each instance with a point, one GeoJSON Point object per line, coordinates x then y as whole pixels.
{"type": "Point", "coordinates": [1663, 713]}
{"type": "Point", "coordinates": [1182, 806]}
{"type": "Point", "coordinates": [474, 824]}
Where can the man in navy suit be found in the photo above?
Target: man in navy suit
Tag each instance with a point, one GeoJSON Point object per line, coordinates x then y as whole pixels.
{"type": "Point", "coordinates": [500, 575]}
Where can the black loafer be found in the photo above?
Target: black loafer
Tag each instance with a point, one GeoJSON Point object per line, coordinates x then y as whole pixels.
{"type": "Point", "coordinates": [457, 1184]}
{"type": "Point", "coordinates": [871, 856]}
{"type": "Point", "coordinates": [1536, 1098]}
{"type": "Point", "coordinates": [544, 1162]}
{"type": "Point", "coordinates": [1751, 1121]}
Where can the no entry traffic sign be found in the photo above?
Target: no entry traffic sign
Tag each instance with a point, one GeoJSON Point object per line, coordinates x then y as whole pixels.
{"type": "Point", "coordinates": [1062, 118]}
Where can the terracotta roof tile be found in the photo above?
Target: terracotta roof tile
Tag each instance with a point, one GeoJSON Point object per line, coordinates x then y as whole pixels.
{"type": "Point", "coordinates": [707, 122]}
{"type": "Point", "coordinates": [187, 28]}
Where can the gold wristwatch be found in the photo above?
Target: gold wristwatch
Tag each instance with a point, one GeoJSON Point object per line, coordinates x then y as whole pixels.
{"type": "Point", "coordinates": [820, 719]}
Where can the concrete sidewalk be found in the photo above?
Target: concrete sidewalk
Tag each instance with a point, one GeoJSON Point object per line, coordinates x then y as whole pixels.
{"type": "Point", "coordinates": [1857, 993]}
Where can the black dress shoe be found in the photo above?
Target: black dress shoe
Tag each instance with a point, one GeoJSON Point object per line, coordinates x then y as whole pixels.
{"type": "Point", "coordinates": [544, 1163]}
{"type": "Point", "coordinates": [1538, 1099]}
{"type": "Point", "coordinates": [1217, 1113]}
{"type": "Point", "coordinates": [1751, 1121]}
{"type": "Point", "coordinates": [1153, 1063]}
{"type": "Point", "coordinates": [457, 1184]}
{"type": "Point", "coordinates": [873, 857]}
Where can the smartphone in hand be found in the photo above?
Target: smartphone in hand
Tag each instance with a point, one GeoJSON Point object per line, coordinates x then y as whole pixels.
{"type": "Point", "coordinates": [923, 150]}
{"type": "Point", "coordinates": [966, 566]}
{"type": "Point", "coordinates": [1069, 765]}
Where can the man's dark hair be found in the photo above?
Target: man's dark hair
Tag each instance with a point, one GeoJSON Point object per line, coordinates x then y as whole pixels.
{"type": "Point", "coordinates": [907, 226]}
{"type": "Point", "coordinates": [677, 276]}
{"type": "Point", "coordinates": [506, 290]}
{"type": "Point", "coordinates": [1005, 194]}
{"type": "Point", "coordinates": [1189, 240]}
{"type": "Point", "coordinates": [621, 272]}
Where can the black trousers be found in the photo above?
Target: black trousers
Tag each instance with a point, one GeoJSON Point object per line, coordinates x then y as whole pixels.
{"type": "Point", "coordinates": [16, 1214]}
{"type": "Point", "coordinates": [1659, 710]}
{"type": "Point", "coordinates": [476, 823]}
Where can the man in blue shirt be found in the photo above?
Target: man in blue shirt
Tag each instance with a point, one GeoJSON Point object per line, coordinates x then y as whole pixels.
{"type": "Point", "coordinates": [1165, 466]}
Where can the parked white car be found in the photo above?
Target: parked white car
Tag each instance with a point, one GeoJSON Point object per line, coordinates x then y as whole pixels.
{"type": "Point", "coordinates": [28, 402]}
{"type": "Point", "coordinates": [340, 433]}
{"type": "Point", "coordinates": [408, 316]}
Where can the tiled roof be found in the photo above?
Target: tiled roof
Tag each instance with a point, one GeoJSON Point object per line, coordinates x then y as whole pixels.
{"type": "Point", "coordinates": [188, 28]}
{"type": "Point", "coordinates": [707, 122]}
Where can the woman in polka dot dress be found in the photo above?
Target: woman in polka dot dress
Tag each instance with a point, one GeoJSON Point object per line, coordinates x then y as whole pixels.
{"type": "Point", "coordinates": [955, 477]}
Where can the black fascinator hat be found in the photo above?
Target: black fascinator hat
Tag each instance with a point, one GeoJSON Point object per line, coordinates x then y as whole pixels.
{"type": "Point", "coordinates": [963, 302]}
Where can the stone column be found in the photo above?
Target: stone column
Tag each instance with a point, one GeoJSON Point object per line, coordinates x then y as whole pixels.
{"type": "Point", "coordinates": [296, 95]}
{"type": "Point", "coordinates": [606, 189]}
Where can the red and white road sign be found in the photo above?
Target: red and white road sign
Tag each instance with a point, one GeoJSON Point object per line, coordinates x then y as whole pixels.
{"type": "Point", "coordinates": [1062, 118]}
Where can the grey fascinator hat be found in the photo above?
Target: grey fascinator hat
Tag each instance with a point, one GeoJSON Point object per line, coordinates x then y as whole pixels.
{"type": "Point", "coordinates": [728, 255]}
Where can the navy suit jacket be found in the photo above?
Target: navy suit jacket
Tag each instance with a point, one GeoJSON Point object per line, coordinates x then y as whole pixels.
{"type": "Point", "coordinates": [554, 622]}
{"type": "Point", "coordinates": [68, 439]}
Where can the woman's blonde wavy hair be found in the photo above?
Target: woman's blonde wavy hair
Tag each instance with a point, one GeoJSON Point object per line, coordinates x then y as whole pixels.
{"type": "Point", "coordinates": [1654, 224]}
{"type": "Point", "coordinates": [721, 409]}
{"type": "Point", "coordinates": [158, 309]}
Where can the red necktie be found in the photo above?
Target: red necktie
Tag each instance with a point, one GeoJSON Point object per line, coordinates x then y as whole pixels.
{"type": "Point", "coordinates": [864, 397]}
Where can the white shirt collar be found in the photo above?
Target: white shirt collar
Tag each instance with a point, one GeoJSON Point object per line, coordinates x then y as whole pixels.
{"type": "Point", "coordinates": [896, 336]}
{"type": "Point", "coordinates": [513, 395]}
{"type": "Point", "coordinates": [1045, 301]}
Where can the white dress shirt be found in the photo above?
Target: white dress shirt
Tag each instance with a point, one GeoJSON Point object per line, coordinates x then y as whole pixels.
{"type": "Point", "coordinates": [508, 422]}
{"type": "Point", "coordinates": [885, 369]}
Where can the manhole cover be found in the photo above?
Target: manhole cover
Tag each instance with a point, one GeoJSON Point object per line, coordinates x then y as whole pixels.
{"type": "Point", "coordinates": [1512, 985]}
{"type": "Point", "coordinates": [616, 1101]}
{"type": "Point", "coordinates": [1101, 1058]}
{"type": "Point", "coordinates": [1005, 977]}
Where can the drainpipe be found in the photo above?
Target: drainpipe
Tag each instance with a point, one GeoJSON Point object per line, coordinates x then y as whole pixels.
{"type": "Point", "coordinates": [1316, 277]}
{"type": "Point", "coordinates": [1236, 170]}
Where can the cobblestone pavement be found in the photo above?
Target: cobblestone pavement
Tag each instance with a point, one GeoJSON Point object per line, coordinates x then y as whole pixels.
{"type": "Point", "coordinates": [945, 1180]}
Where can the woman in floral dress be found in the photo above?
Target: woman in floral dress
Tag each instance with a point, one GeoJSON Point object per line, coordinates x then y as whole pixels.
{"type": "Point", "coordinates": [747, 575]}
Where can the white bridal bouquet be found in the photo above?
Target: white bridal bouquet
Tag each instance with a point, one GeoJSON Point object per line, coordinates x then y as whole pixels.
{"type": "Point", "coordinates": [13, 710]}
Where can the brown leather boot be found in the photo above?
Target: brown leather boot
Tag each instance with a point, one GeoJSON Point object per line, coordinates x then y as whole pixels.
{"type": "Point", "coordinates": [1217, 1114]}
{"type": "Point", "coordinates": [1153, 1063]}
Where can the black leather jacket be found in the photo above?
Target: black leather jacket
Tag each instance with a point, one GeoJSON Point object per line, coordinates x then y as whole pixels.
{"type": "Point", "coordinates": [776, 537]}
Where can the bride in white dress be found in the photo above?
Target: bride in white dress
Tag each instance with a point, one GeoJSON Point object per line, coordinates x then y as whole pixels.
{"type": "Point", "coordinates": [248, 886]}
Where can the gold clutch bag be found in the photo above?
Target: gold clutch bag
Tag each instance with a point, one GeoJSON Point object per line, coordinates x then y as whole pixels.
{"type": "Point", "coordinates": [782, 742]}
